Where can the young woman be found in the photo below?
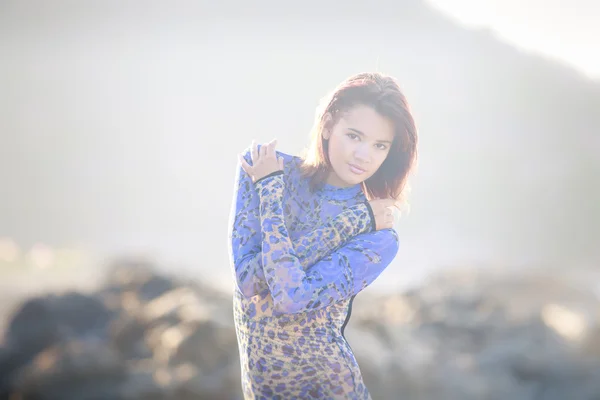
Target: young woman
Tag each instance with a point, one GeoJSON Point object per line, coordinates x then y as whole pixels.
{"type": "Point", "coordinates": [309, 233]}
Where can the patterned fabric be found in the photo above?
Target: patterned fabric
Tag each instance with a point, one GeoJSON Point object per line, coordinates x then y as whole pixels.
{"type": "Point", "coordinates": [299, 259]}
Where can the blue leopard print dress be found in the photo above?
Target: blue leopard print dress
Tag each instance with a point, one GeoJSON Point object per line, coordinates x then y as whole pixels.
{"type": "Point", "coordinates": [299, 258]}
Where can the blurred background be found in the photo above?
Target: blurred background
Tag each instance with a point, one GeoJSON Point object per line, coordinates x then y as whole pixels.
{"type": "Point", "coordinates": [120, 125]}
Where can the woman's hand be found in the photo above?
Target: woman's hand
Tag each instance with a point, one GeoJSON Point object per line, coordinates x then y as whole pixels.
{"type": "Point", "coordinates": [264, 161]}
{"type": "Point", "coordinates": [382, 210]}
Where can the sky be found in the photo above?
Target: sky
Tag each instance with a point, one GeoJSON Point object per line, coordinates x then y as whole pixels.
{"type": "Point", "coordinates": [567, 30]}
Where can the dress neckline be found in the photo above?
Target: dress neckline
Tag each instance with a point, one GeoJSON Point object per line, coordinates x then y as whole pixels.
{"type": "Point", "coordinates": [339, 193]}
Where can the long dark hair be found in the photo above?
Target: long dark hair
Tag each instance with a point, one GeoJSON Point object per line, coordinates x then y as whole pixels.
{"type": "Point", "coordinates": [383, 94]}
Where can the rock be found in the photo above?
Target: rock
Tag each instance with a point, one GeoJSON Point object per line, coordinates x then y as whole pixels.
{"type": "Point", "coordinates": [42, 321]}
{"type": "Point", "coordinates": [142, 335]}
{"type": "Point", "coordinates": [138, 276]}
{"type": "Point", "coordinates": [125, 333]}
{"type": "Point", "coordinates": [518, 336]}
{"type": "Point", "coordinates": [464, 335]}
{"type": "Point", "coordinates": [46, 321]}
{"type": "Point", "coordinates": [79, 369]}
{"type": "Point", "coordinates": [9, 363]}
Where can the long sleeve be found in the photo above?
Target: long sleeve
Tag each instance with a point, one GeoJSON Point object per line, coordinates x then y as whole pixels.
{"type": "Point", "coordinates": [340, 275]}
{"type": "Point", "coordinates": [246, 236]}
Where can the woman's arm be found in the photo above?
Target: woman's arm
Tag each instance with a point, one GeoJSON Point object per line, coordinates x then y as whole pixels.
{"type": "Point", "coordinates": [338, 276]}
{"type": "Point", "coordinates": [246, 236]}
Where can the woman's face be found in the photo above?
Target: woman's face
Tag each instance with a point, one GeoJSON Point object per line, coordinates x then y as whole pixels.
{"type": "Point", "coordinates": [358, 145]}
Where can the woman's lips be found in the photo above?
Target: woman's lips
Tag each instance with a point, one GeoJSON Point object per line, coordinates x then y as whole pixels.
{"type": "Point", "coordinates": [355, 169]}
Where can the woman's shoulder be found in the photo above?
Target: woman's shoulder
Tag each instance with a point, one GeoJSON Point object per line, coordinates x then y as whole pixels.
{"type": "Point", "coordinates": [291, 170]}
{"type": "Point", "coordinates": [291, 159]}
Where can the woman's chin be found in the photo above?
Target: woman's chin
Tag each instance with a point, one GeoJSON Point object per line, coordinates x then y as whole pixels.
{"type": "Point", "coordinates": [347, 179]}
{"type": "Point", "coordinates": [351, 181]}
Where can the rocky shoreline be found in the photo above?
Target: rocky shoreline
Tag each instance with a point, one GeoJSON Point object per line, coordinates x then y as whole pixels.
{"type": "Point", "coordinates": [468, 334]}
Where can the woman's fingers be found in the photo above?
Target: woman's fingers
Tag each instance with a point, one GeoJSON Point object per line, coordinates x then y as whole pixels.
{"type": "Point", "coordinates": [264, 160]}
{"type": "Point", "coordinates": [383, 211]}
{"type": "Point", "coordinates": [271, 148]}
{"type": "Point", "coordinates": [267, 149]}
{"type": "Point", "coordinates": [387, 203]}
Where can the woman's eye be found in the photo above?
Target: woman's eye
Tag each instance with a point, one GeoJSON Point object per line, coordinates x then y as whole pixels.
{"type": "Point", "coordinates": [353, 136]}
{"type": "Point", "coordinates": [381, 146]}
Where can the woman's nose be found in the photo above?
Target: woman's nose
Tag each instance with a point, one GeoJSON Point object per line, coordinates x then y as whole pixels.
{"type": "Point", "coordinates": [362, 153]}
